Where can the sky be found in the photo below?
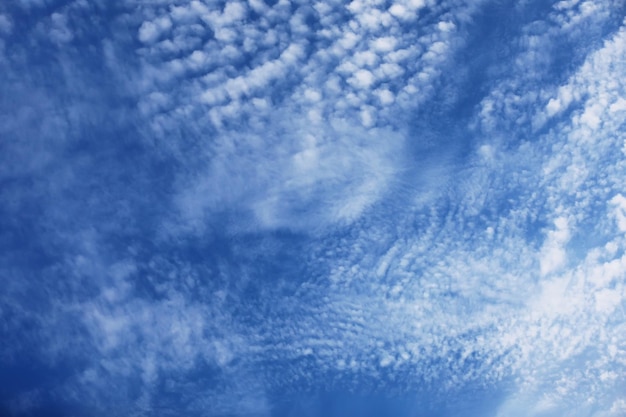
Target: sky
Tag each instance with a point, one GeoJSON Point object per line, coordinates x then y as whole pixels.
{"type": "Point", "coordinates": [290, 208]}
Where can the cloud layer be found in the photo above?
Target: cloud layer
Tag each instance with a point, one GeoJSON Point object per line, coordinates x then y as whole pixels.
{"type": "Point", "coordinates": [232, 208]}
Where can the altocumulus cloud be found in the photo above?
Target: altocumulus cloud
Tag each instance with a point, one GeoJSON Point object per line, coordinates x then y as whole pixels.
{"type": "Point", "coordinates": [273, 208]}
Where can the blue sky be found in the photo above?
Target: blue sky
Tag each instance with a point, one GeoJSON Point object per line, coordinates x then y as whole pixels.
{"type": "Point", "coordinates": [289, 208]}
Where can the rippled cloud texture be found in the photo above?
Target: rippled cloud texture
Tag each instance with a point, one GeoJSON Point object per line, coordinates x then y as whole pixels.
{"type": "Point", "coordinates": [334, 208]}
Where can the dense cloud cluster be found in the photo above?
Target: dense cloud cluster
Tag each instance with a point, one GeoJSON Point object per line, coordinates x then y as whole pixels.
{"type": "Point", "coordinates": [206, 206]}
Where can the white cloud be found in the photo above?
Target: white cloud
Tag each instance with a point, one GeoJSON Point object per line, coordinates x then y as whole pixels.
{"type": "Point", "coordinates": [233, 12]}
{"type": "Point", "coordinates": [607, 300]}
{"type": "Point", "coordinates": [6, 25]}
{"type": "Point", "coordinates": [619, 202]}
{"type": "Point", "coordinates": [384, 44]}
{"type": "Point", "coordinates": [150, 31]}
{"type": "Point", "coordinates": [446, 26]}
{"type": "Point", "coordinates": [57, 29]}
{"type": "Point", "coordinates": [560, 103]}
{"type": "Point", "coordinates": [385, 96]}
{"type": "Point", "coordinates": [399, 11]}
{"type": "Point", "coordinates": [362, 79]}
{"type": "Point", "coordinates": [322, 81]}
{"type": "Point", "coordinates": [553, 252]}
